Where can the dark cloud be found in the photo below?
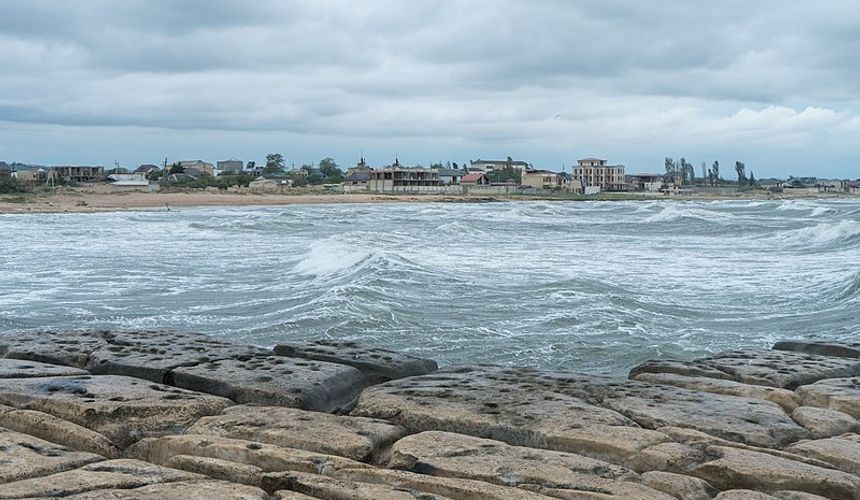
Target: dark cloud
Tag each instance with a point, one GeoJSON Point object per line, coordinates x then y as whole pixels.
{"type": "Point", "coordinates": [632, 80]}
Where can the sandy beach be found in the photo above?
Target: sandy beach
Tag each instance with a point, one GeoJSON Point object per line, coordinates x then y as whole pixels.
{"type": "Point", "coordinates": [71, 200]}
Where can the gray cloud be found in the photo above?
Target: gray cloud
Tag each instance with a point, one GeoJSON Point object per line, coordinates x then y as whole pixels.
{"type": "Point", "coordinates": [631, 80]}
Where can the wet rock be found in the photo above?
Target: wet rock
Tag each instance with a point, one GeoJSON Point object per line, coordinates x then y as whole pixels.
{"type": "Point", "coordinates": [22, 368]}
{"type": "Point", "coordinates": [843, 452]}
{"type": "Point", "coordinates": [456, 455]}
{"type": "Point", "coordinates": [217, 468]}
{"type": "Point", "coordinates": [822, 348]}
{"type": "Point", "coordinates": [267, 457]}
{"type": "Point", "coordinates": [71, 348]}
{"type": "Point", "coordinates": [796, 495]}
{"type": "Point", "coordinates": [329, 488]}
{"type": "Point", "coordinates": [735, 468]}
{"type": "Point", "coordinates": [840, 394]}
{"type": "Point", "coordinates": [378, 365]}
{"type": "Point", "coordinates": [508, 406]}
{"type": "Point", "coordinates": [352, 437]}
{"type": "Point", "coordinates": [23, 457]}
{"type": "Point", "coordinates": [59, 431]}
{"type": "Point", "coordinates": [180, 490]}
{"type": "Point", "coordinates": [783, 397]}
{"type": "Point", "coordinates": [743, 495]}
{"type": "Point", "coordinates": [123, 409]}
{"type": "Point", "coordinates": [783, 369]}
{"type": "Point", "coordinates": [276, 380]}
{"type": "Point", "coordinates": [824, 423]}
{"type": "Point", "coordinates": [461, 489]}
{"type": "Point", "coordinates": [110, 474]}
{"type": "Point", "coordinates": [679, 486]}
{"type": "Point", "coordinates": [151, 355]}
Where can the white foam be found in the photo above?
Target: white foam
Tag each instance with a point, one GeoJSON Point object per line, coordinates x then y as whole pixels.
{"type": "Point", "coordinates": [329, 257]}
{"type": "Point", "coordinates": [824, 234]}
{"type": "Point", "coordinates": [676, 211]}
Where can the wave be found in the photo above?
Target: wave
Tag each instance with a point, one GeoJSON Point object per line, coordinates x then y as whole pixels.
{"type": "Point", "coordinates": [845, 231]}
{"type": "Point", "coordinates": [328, 257]}
{"type": "Point", "coordinates": [677, 212]}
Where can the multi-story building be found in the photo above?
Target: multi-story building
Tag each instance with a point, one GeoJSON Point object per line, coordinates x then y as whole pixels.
{"type": "Point", "coordinates": [231, 165]}
{"type": "Point", "coordinates": [595, 172]}
{"type": "Point", "coordinates": [203, 166]}
{"type": "Point", "coordinates": [404, 179]}
{"type": "Point", "coordinates": [77, 173]}
{"type": "Point", "coordinates": [493, 165]}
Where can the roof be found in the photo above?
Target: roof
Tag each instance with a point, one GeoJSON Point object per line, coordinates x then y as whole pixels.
{"type": "Point", "coordinates": [358, 176]}
{"type": "Point", "coordinates": [498, 162]}
{"type": "Point", "coordinates": [539, 172]}
{"type": "Point", "coordinates": [592, 159]}
{"type": "Point", "coordinates": [472, 178]}
{"type": "Point", "coordinates": [130, 183]}
{"type": "Point", "coordinates": [450, 171]}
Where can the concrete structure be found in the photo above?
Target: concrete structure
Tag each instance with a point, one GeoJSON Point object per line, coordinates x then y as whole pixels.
{"type": "Point", "coordinates": [492, 165]}
{"type": "Point", "coordinates": [544, 179]}
{"type": "Point", "coordinates": [356, 181]}
{"type": "Point", "coordinates": [261, 184]}
{"type": "Point", "coordinates": [400, 179]}
{"type": "Point", "coordinates": [131, 182]}
{"type": "Point", "coordinates": [475, 179]}
{"type": "Point", "coordinates": [71, 173]}
{"type": "Point", "coordinates": [147, 168]}
{"type": "Point", "coordinates": [595, 172]}
{"type": "Point", "coordinates": [29, 176]}
{"type": "Point", "coordinates": [651, 183]}
{"type": "Point", "coordinates": [449, 176]}
{"type": "Point", "coordinates": [231, 165]}
{"type": "Point", "coordinates": [205, 167]}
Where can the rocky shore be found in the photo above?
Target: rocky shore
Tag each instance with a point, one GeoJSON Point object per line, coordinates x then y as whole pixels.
{"type": "Point", "coordinates": [161, 415]}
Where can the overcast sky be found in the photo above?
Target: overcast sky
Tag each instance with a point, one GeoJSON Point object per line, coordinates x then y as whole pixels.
{"type": "Point", "coordinates": [775, 84]}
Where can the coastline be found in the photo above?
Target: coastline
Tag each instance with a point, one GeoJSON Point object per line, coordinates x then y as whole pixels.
{"type": "Point", "coordinates": [89, 201]}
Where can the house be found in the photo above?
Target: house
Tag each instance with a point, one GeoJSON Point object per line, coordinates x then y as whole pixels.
{"type": "Point", "coordinates": [232, 165]}
{"type": "Point", "coordinates": [195, 172]}
{"type": "Point", "coordinates": [449, 176]}
{"type": "Point", "coordinates": [200, 165]}
{"type": "Point", "coordinates": [356, 180]}
{"type": "Point", "coordinates": [595, 172]}
{"type": "Point", "coordinates": [262, 184]}
{"type": "Point", "coordinates": [492, 165]}
{"type": "Point", "coordinates": [651, 183]}
{"type": "Point", "coordinates": [852, 187]}
{"type": "Point", "coordinates": [131, 182]}
{"type": "Point", "coordinates": [544, 179]}
{"type": "Point", "coordinates": [77, 173]}
{"type": "Point", "coordinates": [402, 179]}
{"type": "Point", "coordinates": [475, 179]}
{"type": "Point", "coordinates": [146, 169]}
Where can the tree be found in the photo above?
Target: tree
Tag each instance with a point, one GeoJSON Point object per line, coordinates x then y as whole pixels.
{"type": "Point", "coordinates": [176, 168]}
{"type": "Point", "coordinates": [8, 183]}
{"type": "Point", "coordinates": [331, 173]}
{"type": "Point", "coordinates": [274, 164]}
{"type": "Point", "coordinates": [715, 173]}
{"type": "Point", "coordinates": [251, 165]}
{"type": "Point", "coordinates": [740, 169]}
{"type": "Point", "coordinates": [669, 164]}
{"type": "Point", "coordinates": [752, 179]}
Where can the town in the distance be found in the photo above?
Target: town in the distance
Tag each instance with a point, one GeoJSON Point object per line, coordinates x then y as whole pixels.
{"type": "Point", "coordinates": [588, 177]}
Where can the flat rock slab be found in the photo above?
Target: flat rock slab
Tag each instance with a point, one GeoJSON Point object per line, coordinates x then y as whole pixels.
{"type": "Point", "coordinates": [840, 394]}
{"type": "Point", "coordinates": [59, 431]}
{"type": "Point", "coordinates": [679, 486]}
{"type": "Point", "coordinates": [455, 455]}
{"type": "Point", "coordinates": [734, 468]}
{"type": "Point", "coordinates": [783, 397]}
{"type": "Point", "coordinates": [71, 348]}
{"type": "Point", "coordinates": [317, 486]}
{"type": "Point", "coordinates": [842, 451]}
{"type": "Point", "coordinates": [23, 457]}
{"type": "Point", "coordinates": [110, 474]}
{"type": "Point", "coordinates": [179, 490]}
{"type": "Point", "coordinates": [276, 380]}
{"type": "Point", "coordinates": [22, 368]}
{"type": "Point", "coordinates": [821, 348]}
{"type": "Point", "coordinates": [151, 355]}
{"type": "Point", "coordinates": [357, 438]}
{"type": "Point", "coordinates": [267, 457]}
{"type": "Point", "coordinates": [824, 423]}
{"type": "Point", "coordinates": [123, 409]}
{"type": "Point", "coordinates": [378, 365]}
{"type": "Point", "coordinates": [783, 369]}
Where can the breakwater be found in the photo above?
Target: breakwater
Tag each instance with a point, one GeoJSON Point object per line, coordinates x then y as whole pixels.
{"type": "Point", "coordinates": [156, 414]}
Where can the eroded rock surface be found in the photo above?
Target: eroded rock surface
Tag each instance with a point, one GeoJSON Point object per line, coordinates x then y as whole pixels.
{"type": "Point", "coordinates": [23, 457]}
{"type": "Point", "coordinates": [821, 348]}
{"type": "Point", "coordinates": [840, 394]}
{"type": "Point", "coordinates": [843, 452]}
{"type": "Point", "coordinates": [378, 365]}
{"type": "Point", "coordinates": [22, 368]}
{"type": "Point", "coordinates": [179, 490]}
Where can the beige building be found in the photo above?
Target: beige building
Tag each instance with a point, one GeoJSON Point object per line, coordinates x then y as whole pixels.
{"type": "Point", "coordinates": [593, 172]}
{"type": "Point", "coordinates": [543, 179]}
{"type": "Point", "coordinates": [77, 173]}
{"type": "Point", "coordinates": [203, 166]}
{"type": "Point", "coordinates": [399, 179]}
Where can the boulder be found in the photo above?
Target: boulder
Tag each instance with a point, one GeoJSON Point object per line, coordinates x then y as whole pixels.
{"type": "Point", "coordinates": [502, 404]}
{"type": "Point", "coordinates": [734, 468]}
{"type": "Point", "coordinates": [823, 423]}
{"type": "Point", "coordinates": [179, 490]}
{"type": "Point", "coordinates": [318, 486]}
{"type": "Point", "coordinates": [843, 452]}
{"type": "Point", "coordinates": [357, 438]}
{"type": "Point", "coordinates": [461, 489]}
{"type": "Point", "coordinates": [455, 455]}
{"type": "Point", "coordinates": [783, 397]}
{"type": "Point", "coordinates": [796, 495]}
{"type": "Point", "coordinates": [378, 365]}
{"type": "Point", "coordinates": [23, 457]}
{"type": "Point", "coordinates": [275, 380]}
{"type": "Point", "coordinates": [57, 430]}
{"type": "Point", "coordinates": [267, 457]}
{"type": "Point", "coordinates": [151, 355]}
{"type": "Point", "coordinates": [110, 474]}
{"type": "Point", "coordinates": [123, 409]}
{"type": "Point", "coordinates": [22, 368]}
{"type": "Point", "coordinates": [840, 394]}
{"type": "Point", "coordinates": [679, 486]}
{"type": "Point", "coordinates": [822, 348]}
{"type": "Point", "coordinates": [784, 369]}
{"type": "Point", "coordinates": [743, 495]}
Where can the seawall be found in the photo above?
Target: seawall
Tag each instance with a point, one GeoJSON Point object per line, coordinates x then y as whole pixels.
{"type": "Point", "coordinates": [154, 414]}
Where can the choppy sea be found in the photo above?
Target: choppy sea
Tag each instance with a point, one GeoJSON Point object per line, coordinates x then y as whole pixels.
{"type": "Point", "coordinates": [585, 286]}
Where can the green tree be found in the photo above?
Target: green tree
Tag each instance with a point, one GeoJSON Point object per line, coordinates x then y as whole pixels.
{"type": "Point", "coordinates": [715, 173]}
{"type": "Point", "coordinates": [274, 164]}
{"type": "Point", "coordinates": [154, 174]}
{"type": "Point", "coordinates": [330, 172]}
{"type": "Point", "coordinates": [740, 169]}
{"type": "Point", "coordinates": [752, 179]}
{"type": "Point", "coordinates": [8, 184]}
{"type": "Point", "coordinates": [669, 165]}
{"type": "Point", "coordinates": [176, 168]}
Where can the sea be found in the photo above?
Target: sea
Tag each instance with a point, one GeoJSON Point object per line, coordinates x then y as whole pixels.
{"type": "Point", "coordinates": [591, 287]}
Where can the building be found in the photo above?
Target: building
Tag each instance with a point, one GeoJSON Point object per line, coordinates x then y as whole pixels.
{"type": "Point", "coordinates": [205, 167]}
{"type": "Point", "coordinates": [131, 182]}
{"type": "Point", "coordinates": [594, 172]}
{"type": "Point", "coordinates": [231, 165]}
{"type": "Point", "coordinates": [398, 178]}
{"type": "Point", "coordinates": [29, 176]}
{"type": "Point", "coordinates": [475, 179]}
{"type": "Point", "coordinates": [77, 173]}
{"type": "Point", "coordinates": [356, 180]}
{"type": "Point", "coordinates": [480, 165]}
{"type": "Point", "coordinates": [544, 179]}
{"type": "Point", "coordinates": [651, 183]}
{"type": "Point", "coordinates": [450, 176]}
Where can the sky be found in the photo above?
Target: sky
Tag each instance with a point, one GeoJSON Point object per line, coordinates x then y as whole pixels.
{"type": "Point", "coordinates": [775, 84]}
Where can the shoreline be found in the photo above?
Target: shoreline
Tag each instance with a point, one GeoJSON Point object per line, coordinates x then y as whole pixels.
{"type": "Point", "coordinates": [87, 201]}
